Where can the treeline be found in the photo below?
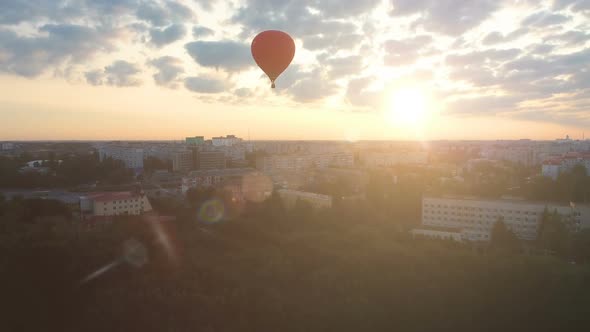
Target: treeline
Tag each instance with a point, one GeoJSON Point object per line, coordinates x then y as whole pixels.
{"type": "Point", "coordinates": [570, 186]}
{"type": "Point", "coordinates": [262, 267]}
{"type": "Point", "coordinates": [72, 171]}
{"type": "Point", "coordinates": [555, 236]}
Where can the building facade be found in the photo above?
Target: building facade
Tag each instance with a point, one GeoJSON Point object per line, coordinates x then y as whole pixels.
{"type": "Point", "coordinates": [196, 140]}
{"type": "Point", "coordinates": [301, 162]}
{"type": "Point", "coordinates": [387, 159]}
{"type": "Point", "coordinates": [476, 217]}
{"type": "Point", "coordinates": [182, 161]}
{"type": "Point", "coordinates": [228, 140]}
{"type": "Point", "coordinates": [551, 168]}
{"type": "Point", "coordinates": [107, 204]}
{"type": "Point", "coordinates": [244, 183]}
{"type": "Point", "coordinates": [290, 198]}
{"type": "Point", "coordinates": [209, 160]}
{"type": "Point", "coordinates": [131, 157]}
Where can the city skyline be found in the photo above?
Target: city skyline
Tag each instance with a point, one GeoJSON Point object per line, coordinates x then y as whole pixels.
{"type": "Point", "coordinates": [365, 70]}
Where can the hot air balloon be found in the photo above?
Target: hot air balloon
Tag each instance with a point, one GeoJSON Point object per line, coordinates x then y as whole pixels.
{"type": "Point", "coordinates": [273, 51]}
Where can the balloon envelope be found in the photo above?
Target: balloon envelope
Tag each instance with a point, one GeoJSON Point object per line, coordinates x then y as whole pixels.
{"type": "Point", "coordinates": [273, 51]}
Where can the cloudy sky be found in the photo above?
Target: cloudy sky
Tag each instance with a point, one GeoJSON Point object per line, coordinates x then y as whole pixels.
{"type": "Point", "coordinates": [391, 69]}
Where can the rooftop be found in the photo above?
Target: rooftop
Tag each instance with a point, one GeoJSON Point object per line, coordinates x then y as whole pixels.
{"type": "Point", "coordinates": [112, 196]}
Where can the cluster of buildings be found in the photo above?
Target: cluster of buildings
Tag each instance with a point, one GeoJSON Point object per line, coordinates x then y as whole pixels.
{"type": "Point", "coordinates": [194, 153]}
{"type": "Point", "coordinates": [531, 153]}
{"type": "Point", "coordinates": [472, 219]}
{"type": "Point", "coordinates": [551, 168]}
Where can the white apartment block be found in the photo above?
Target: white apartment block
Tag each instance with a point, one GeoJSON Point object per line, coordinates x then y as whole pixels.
{"type": "Point", "coordinates": [553, 167]}
{"type": "Point", "coordinates": [301, 162]}
{"type": "Point", "coordinates": [106, 204]}
{"type": "Point", "coordinates": [228, 140]}
{"type": "Point", "coordinates": [476, 217]}
{"type": "Point", "coordinates": [517, 154]}
{"type": "Point", "coordinates": [290, 198]}
{"type": "Point", "coordinates": [132, 157]}
{"type": "Point", "coordinates": [6, 146]}
{"type": "Point", "coordinates": [387, 159]}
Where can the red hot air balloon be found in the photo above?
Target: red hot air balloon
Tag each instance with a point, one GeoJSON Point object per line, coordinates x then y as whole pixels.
{"type": "Point", "coordinates": [273, 51]}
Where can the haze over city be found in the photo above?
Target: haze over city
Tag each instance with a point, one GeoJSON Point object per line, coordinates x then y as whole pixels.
{"type": "Point", "coordinates": [398, 69]}
{"type": "Point", "coordinates": [295, 165]}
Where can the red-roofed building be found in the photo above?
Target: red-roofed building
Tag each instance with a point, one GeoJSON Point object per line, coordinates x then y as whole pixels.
{"type": "Point", "coordinates": [553, 167]}
{"type": "Point", "coordinates": [104, 204]}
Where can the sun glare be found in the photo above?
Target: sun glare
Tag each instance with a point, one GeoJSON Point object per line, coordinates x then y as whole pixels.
{"type": "Point", "coordinates": [407, 107]}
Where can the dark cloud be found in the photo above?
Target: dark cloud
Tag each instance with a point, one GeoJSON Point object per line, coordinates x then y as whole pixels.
{"type": "Point", "coordinates": [405, 51]}
{"type": "Point", "coordinates": [527, 80]}
{"type": "Point", "coordinates": [243, 92]}
{"type": "Point", "coordinates": [570, 38]}
{"type": "Point", "coordinates": [343, 8]}
{"type": "Point", "coordinates": [497, 38]}
{"type": "Point", "coordinates": [163, 14]}
{"type": "Point", "coordinates": [315, 86]}
{"type": "Point", "coordinates": [357, 93]}
{"type": "Point", "coordinates": [451, 17]}
{"type": "Point", "coordinates": [332, 43]}
{"type": "Point", "coordinates": [229, 55]}
{"type": "Point", "coordinates": [169, 70]}
{"type": "Point", "coordinates": [544, 19]}
{"type": "Point", "coordinates": [168, 35]}
{"type": "Point", "coordinates": [346, 66]}
{"type": "Point", "coordinates": [204, 85]}
{"type": "Point", "coordinates": [573, 5]}
{"type": "Point", "coordinates": [61, 44]}
{"type": "Point", "coordinates": [95, 77]}
{"type": "Point", "coordinates": [317, 31]}
{"type": "Point", "coordinates": [14, 12]}
{"type": "Point", "coordinates": [201, 31]}
{"type": "Point", "coordinates": [486, 104]}
{"type": "Point", "coordinates": [541, 49]}
{"type": "Point", "coordinates": [478, 59]}
{"type": "Point", "coordinates": [120, 73]}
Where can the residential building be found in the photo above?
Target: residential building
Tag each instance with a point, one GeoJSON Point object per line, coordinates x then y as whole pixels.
{"type": "Point", "coordinates": [228, 140]}
{"type": "Point", "coordinates": [301, 162]}
{"type": "Point", "coordinates": [245, 183]}
{"type": "Point", "coordinates": [182, 161]}
{"type": "Point", "coordinates": [132, 157]}
{"type": "Point", "coordinates": [442, 233]}
{"type": "Point", "coordinates": [290, 198]}
{"type": "Point", "coordinates": [6, 146]}
{"type": "Point", "coordinates": [392, 158]}
{"type": "Point", "coordinates": [106, 204]}
{"type": "Point", "coordinates": [196, 140]}
{"type": "Point", "coordinates": [209, 159]}
{"type": "Point", "coordinates": [476, 217]}
{"type": "Point", "coordinates": [553, 167]}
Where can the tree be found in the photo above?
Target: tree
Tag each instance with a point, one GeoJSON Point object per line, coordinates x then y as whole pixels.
{"type": "Point", "coordinates": [581, 246]}
{"type": "Point", "coordinates": [151, 164]}
{"type": "Point", "coordinates": [2, 202]}
{"type": "Point", "coordinates": [553, 234]}
{"type": "Point", "coordinates": [503, 237]}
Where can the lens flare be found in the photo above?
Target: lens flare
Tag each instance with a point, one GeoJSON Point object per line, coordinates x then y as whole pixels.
{"type": "Point", "coordinates": [135, 253]}
{"type": "Point", "coordinates": [211, 211]}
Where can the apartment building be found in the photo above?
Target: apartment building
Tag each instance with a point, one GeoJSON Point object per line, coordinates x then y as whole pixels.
{"type": "Point", "coordinates": [475, 218]}
{"type": "Point", "coordinates": [290, 198]}
{"type": "Point", "coordinates": [106, 204]}
{"type": "Point", "coordinates": [132, 157]}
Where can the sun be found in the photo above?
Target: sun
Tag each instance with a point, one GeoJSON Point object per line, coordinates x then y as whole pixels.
{"type": "Point", "coordinates": [408, 107]}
